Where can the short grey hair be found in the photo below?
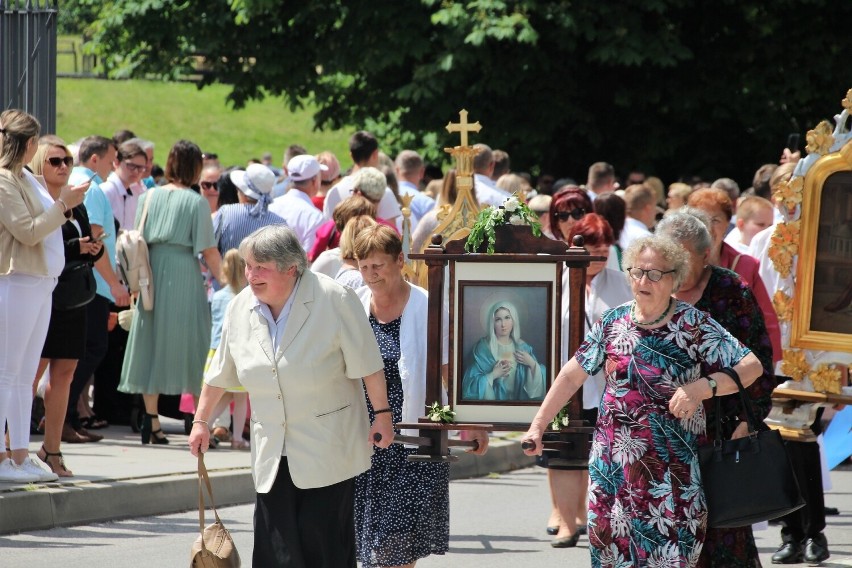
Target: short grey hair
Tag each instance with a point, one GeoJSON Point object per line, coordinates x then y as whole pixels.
{"type": "Point", "coordinates": [278, 244]}
{"type": "Point", "coordinates": [687, 225]}
{"type": "Point", "coordinates": [371, 182]}
{"type": "Point", "coordinates": [409, 162]}
{"type": "Point", "coordinates": [674, 255]}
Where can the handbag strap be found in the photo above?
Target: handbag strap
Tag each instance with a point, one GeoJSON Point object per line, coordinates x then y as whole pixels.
{"type": "Point", "coordinates": [148, 198]}
{"type": "Point", "coordinates": [751, 420]}
{"type": "Point", "coordinates": [204, 480]}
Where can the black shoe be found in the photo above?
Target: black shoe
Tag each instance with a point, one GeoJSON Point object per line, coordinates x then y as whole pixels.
{"type": "Point", "coordinates": [831, 511]}
{"type": "Point", "coordinates": [552, 531]}
{"type": "Point", "coordinates": [789, 553]}
{"type": "Point", "coordinates": [816, 549]}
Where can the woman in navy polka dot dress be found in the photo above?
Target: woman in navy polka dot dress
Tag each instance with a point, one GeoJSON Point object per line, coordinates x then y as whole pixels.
{"type": "Point", "coordinates": [401, 507]}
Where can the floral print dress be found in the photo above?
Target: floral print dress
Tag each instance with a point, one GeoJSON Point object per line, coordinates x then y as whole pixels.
{"type": "Point", "coordinates": [646, 503]}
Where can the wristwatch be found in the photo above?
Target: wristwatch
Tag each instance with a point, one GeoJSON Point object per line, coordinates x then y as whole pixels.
{"type": "Point", "coordinates": [713, 385]}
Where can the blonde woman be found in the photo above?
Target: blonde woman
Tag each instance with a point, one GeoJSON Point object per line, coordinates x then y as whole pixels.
{"type": "Point", "coordinates": [349, 275]}
{"type": "Point", "coordinates": [66, 336]}
{"type": "Point", "coordinates": [31, 260]}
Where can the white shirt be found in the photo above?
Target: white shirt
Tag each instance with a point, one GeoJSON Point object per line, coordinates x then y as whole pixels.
{"type": "Point", "coordinates": [300, 214]}
{"type": "Point", "coordinates": [487, 192]}
{"type": "Point", "coordinates": [388, 208]}
{"type": "Point", "coordinates": [328, 262]}
{"type": "Point", "coordinates": [276, 325]}
{"type": "Point", "coordinates": [609, 289]}
{"type": "Point", "coordinates": [633, 229]}
{"type": "Point", "coordinates": [124, 200]}
{"type": "Point", "coordinates": [54, 246]}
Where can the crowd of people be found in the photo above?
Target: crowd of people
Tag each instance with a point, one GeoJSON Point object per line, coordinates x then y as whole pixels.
{"type": "Point", "coordinates": [280, 296]}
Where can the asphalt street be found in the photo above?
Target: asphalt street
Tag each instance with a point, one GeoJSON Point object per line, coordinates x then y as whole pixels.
{"type": "Point", "coordinates": [496, 521]}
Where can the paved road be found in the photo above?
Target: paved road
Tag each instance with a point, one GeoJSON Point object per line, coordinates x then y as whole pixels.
{"type": "Point", "coordinates": [497, 522]}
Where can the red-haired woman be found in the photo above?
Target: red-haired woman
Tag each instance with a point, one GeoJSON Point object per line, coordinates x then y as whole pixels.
{"type": "Point", "coordinates": [569, 205]}
{"type": "Point", "coordinates": [605, 289]}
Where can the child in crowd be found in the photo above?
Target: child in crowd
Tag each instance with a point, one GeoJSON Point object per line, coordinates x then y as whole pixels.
{"type": "Point", "coordinates": [753, 215]}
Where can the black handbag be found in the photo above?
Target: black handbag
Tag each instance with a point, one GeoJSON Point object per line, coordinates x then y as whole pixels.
{"type": "Point", "coordinates": [76, 287]}
{"type": "Point", "coordinates": [750, 479]}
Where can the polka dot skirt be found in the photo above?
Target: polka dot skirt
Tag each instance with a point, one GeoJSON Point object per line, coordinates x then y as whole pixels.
{"type": "Point", "coordinates": [402, 508]}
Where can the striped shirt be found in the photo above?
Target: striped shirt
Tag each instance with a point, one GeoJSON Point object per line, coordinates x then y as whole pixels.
{"type": "Point", "coordinates": [232, 223]}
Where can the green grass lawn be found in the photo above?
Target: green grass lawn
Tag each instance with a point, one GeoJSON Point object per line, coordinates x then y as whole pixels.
{"type": "Point", "coordinates": [166, 112]}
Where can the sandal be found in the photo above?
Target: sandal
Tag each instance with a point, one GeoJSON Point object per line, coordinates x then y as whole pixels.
{"type": "Point", "coordinates": [61, 470]}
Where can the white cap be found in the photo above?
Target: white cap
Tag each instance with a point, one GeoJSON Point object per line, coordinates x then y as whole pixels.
{"type": "Point", "coordinates": [304, 167]}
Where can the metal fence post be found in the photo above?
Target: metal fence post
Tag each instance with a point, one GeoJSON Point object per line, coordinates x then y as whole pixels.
{"type": "Point", "coordinates": [28, 58]}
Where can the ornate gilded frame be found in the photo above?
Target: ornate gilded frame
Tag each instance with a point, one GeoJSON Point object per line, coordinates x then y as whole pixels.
{"type": "Point", "coordinates": [803, 335]}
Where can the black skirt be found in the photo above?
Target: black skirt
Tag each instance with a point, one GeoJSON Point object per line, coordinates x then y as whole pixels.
{"type": "Point", "coordinates": [66, 335]}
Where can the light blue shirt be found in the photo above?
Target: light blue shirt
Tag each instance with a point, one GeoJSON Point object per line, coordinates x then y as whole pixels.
{"type": "Point", "coordinates": [100, 213]}
{"type": "Point", "coordinates": [276, 326]}
{"type": "Point", "coordinates": [421, 204]}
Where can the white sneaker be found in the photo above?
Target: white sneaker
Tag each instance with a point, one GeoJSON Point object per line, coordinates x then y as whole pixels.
{"type": "Point", "coordinates": [11, 472]}
{"type": "Point", "coordinates": [39, 468]}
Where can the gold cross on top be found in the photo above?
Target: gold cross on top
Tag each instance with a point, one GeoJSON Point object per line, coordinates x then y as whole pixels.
{"type": "Point", "coordinates": [463, 126]}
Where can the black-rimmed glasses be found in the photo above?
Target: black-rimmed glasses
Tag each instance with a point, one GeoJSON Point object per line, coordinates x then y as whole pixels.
{"type": "Point", "coordinates": [577, 214]}
{"type": "Point", "coordinates": [208, 185]}
{"type": "Point", "coordinates": [653, 274]}
{"type": "Point", "coordinates": [57, 161]}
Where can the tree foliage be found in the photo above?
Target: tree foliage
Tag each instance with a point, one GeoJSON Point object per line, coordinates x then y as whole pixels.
{"type": "Point", "coordinates": [673, 86]}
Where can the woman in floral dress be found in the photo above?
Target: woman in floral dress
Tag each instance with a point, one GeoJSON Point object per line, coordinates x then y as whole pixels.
{"type": "Point", "coordinates": [661, 359]}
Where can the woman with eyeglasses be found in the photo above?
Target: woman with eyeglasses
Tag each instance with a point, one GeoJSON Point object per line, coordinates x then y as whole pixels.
{"type": "Point", "coordinates": [605, 289]}
{"type": "Point", "coordinates": [725, 297]}
{"type": "Point", "coordinates": [661, 359]}
{"type": "Point", "coordinates": [32, 257]}
{"type": "Point", "coordinates": [569, 205]}
{"type": "Point", "coordinates": [718, 207]}
{"type": "Point", "coordinates": [124, 185]}
{"type": "Point", "coordinates": [66, 335]}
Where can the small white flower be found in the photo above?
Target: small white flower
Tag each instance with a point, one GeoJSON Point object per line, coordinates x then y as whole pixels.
{"type": "Point", "coordinates": [516, 220]}
{"type": "Point", "coordinates": [565, 421]}
{"type": "Point", "coordinates": [555, 425]}
{"type": "Point", "coordinates": [435, 418]}
{"type": "Point", "coordinates": [446, 408]}
{"type": "Point", "coordinates": [496, 214]}
{"type": "Point", "coordinates": [511, 204]}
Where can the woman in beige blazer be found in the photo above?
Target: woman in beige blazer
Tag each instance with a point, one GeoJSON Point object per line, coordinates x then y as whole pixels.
{"type": "Point", "coordinates": [300, 344]}
{"type": "Point", "coordinates": [32, 256]}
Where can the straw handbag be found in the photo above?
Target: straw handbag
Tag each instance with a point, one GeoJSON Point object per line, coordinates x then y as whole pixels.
{"type": "Point", "coordinates": [214, 547]}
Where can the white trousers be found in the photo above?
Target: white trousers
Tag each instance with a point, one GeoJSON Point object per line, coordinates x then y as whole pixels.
{"type": "Point", "coordinates": [25, 303]}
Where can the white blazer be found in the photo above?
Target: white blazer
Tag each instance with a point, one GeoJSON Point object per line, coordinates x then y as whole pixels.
{"type": "Point", "coordinates": [308, 394]}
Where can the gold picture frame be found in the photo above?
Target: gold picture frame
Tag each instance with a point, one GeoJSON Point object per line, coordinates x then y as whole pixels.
{"type": "Point", "coordinates": [824, 270]}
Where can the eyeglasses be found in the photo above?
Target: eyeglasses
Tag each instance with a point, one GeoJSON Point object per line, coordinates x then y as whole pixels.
{"type": "Point", "coordinates": [577, 214]}
{"type": "Point", "coordinates": [57, 162]}
{"type": "Point", "coordinates": [209, 156]}
{"type": "Point", "coordinates": [653, 274]}
{"type": "Point", "coordinates": [134, 167]}
{"type": "Point", "coordinates": [208, 185]}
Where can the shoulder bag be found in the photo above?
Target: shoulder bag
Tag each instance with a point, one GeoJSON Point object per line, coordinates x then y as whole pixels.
{"type": "Point", "coordinates": [214, 547]}
{"type": "Point", "coordinates": [750, 479]}
{"type": "Point", "coordinates": [133, 261]}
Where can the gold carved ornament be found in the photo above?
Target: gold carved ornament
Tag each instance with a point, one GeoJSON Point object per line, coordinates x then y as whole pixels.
{"type": "Point", "coordinates": [795, 364]}
{"type": "Point", "coordinates": [784, 245]}
{"type": "Point", "coordinates": [789, 193]}
{"type": "Point", "coordinates": [826, 378]}
{"type": "Point", "coordinates": [783, 305]}
{"type": "Point", "coordinates": [820, 139]}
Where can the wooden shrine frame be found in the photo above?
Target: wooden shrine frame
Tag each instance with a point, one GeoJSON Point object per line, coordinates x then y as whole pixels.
{"type": "Point", "coordinates": [811, 328]}
{"type": "Point", "coordinates": [529, 262]}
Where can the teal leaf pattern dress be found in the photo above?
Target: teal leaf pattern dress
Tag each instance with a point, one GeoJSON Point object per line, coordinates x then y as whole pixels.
{"type": "Point", "coordinates": [168, 345]}
{"type": "Point", "coordinates": [646, 504]}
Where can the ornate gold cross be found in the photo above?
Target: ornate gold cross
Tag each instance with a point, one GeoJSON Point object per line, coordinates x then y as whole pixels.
{"type": "Point", "coordinates": [463, 126]}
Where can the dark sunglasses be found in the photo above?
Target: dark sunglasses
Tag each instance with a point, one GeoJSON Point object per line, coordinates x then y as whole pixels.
{"type": "Point", "coordinates": [208, 185]}
{"type": "Point", "coordinates": [56, 162]}
{"type": "Point", "coordinates": [577, 214]}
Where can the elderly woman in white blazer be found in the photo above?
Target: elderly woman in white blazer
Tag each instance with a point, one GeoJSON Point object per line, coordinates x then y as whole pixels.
{"type": "Point", "coordinates": [300, 344]}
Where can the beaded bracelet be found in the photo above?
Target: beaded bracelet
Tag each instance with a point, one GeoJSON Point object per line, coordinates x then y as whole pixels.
{"type": "Point", "coordinates": [200, 422]}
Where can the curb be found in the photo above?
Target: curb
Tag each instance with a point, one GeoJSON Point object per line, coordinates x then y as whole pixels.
{"type": "Point", "coordinates": [55, 505]}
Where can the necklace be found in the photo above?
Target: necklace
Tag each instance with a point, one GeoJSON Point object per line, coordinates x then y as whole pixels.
{"type": "Point", "coordinates": [656, 321]}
